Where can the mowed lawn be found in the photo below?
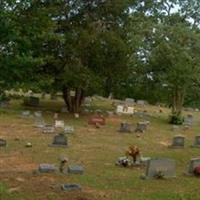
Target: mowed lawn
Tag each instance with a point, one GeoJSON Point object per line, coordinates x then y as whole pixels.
{"type": "Point", "coordinates": [95, 149]}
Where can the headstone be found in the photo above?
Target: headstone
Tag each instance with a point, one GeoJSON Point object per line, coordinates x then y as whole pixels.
{"type": "Point", "coordinates": [26, 113]}
{"type": "Point", "coordinates": [70, 187]}
{"type": "Point", "coordinates": [48, 128]}
{"type": "Point", "coordinates": [59, 124]}
{"type": "Point", "coordinates": [123, 109]}
{"type": "Point", "coordinates": [141, 127]}
{"type": "Point", "coordinates": [3, 143]}
{"type": "Point", "coordinates": [60, 140]}
{"type": "Point", "coordinates": [119, 109]}
{"type": "Point", "coordinates": [69, 129]}
{"type": "Point", "coordinates": [47, 168]}
{"type": "Point", "coordinates": [189, 120]}
{"type": "Point", "coordinates": [76, 115]}
{"type": "Point", "coordinates": [38, 114]}
{"type": "Point", "coordinates": [125, 128]}
{"type": "Point", "coordinates": [194, 162]}
{"type": "Point", "coordinates": [129, 101]}
{"type": "Point", "coordinates": [141, 102]}
{"type": "Point", "coordinates": [75, 169]}
{"type": "Point", "coordinates": [196, 142]}
{"type": "Point", "coordinates": [64, 110]}
{"type": "Point", "coordinates": [178, 142]}
{"type": "Point", "coordinates": [31, 101]}
{"type": "Point", "coordinates": [175, 128]}
{"type": "Point", "coordinates": [97, 120]}
{"type": "Point", "coordinates": [160, 168]}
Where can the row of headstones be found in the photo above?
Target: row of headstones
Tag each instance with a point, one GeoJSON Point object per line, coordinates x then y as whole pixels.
{"type": "Point", "coordinates": [128, 128]}
{"type": "Point", "coordinates": [179, 142]}
{"type": "Point", "coordinates": [166, 168]}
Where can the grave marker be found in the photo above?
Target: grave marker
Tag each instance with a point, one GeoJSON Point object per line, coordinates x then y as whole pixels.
{"type": "Point", "coordinates": [178, 142]}
{"type": "Point", "coordinates": [60, 140]}
{"type": "Point", "coordinates": [3, 143]}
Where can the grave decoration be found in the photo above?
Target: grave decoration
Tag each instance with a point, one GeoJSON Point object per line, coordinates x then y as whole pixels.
{"type": "Point", "coordinates": [97, 120]}
{"type": "Point", "coordinates": [194, 167]}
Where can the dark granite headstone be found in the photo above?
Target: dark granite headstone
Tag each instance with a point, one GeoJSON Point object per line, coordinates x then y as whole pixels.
{"type": "Point", "coordinates": [125, 128]}
{"type": "Point", "coordinates": [194, 162]}
{"type": "Point", "coordinates": [75, 169]}
{"type": "Point", "coordinates": [141, 127]}
{"type": "Point", "coordinates": [47, 168]}
{"type": "Point", "coordinates": [164, 166]}
{"type": "Point", "coordinates": [3, 143]}
{"type": "Point", "coordinates": [178, 142]}
{"type": "Point", "coordinates": [196, 142]}
{"type": "Point", "coordinates": [60, 140]}
{"type": "Point", "coordinates": [70, 187]}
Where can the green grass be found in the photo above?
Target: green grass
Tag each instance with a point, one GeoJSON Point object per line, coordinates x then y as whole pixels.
{"type": "Point", "coordinates": [97, 150]}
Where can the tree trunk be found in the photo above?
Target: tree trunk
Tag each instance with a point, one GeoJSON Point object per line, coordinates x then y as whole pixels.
{"type": "Point", "coordinates": [177, 101]}
{"type": "Point", "coordinates": [74, 102]}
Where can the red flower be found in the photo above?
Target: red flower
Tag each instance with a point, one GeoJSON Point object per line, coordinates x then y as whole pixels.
{"type": "Point", "coordinates": [197, 171]}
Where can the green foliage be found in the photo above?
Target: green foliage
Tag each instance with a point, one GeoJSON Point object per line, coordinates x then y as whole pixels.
{"type": "Point", "coordinates": [176, 119]}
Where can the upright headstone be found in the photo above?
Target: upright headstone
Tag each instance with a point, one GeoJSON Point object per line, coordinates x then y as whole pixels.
{"type": "Point", "coordinates": [47, 168]}
{"type": "Point", "coordinates": [59, 124]}
{"type": "Point", "coordinates": [69, 129]}
{"type": "Point", "coordinates": [60, 140]}
{"type": "Point", "coordinates": [26, 113]}
{"type": "Point", "coordinates": [125, 128]}
{"type": "Point", "coordinates": [189, 120]}
{"type": "Point", "coordinates": [194, 162]}
{"type": "Point", "coordinates": [3, 143]}
{"type": "Point", "coordinates": [38, 114]}
{"type": "Point", "coordinates": [119, 109]}
{"type": "Point", "coordinates": [48, 128]}
{"type": "Point", "coordinates": [160, 168]}
{"type": "Point", "coordinates": [178, 142]}
{"type": "Point", "coordinates": [31, 101]}
{"type": "Point", "coordinates": [75, 169]}
{"type": "Point", "coordinates": [196, 142]}
{"type": "Point", "coordinates": [129, 101]}
{"type": "Point", "coordinates": [141, 127]}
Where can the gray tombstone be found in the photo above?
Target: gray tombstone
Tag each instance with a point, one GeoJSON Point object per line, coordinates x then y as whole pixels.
{"type": "Point", "coordinates": [47, 168]}
{"type": "Point", "coordinates": [26, 113]}
{"type": "Point", "coordinates": [68, 129]}
{"type": "Point", "coordinates": [70, 187]}
{"type": "Point", "coordinates": [125, 128]}
{"type": "Point", "coordinates": [48, 128]}
{"type": "Point", "coordinates": [38, 114]}
{"type": "Point", "coordinates": [75, 169]}
{"type": "Point", "coordinates": [39, 123]}
{"type": "Point", "coordinates": [178, 142]}
{"type": "Point", "coordinates": [141, 127]}
{"type": "Point", "coordinates": [3, 143]}
{"type": "Point", "coordinates": [60, 140]}
{"type": "Point", "coordinates": [189, 120]}
{"type": "Point", "coordinates": [164, 166]}
{"type": "Point", "coordinates": [129, 101]}
{"type": "Point", "coordinates": [194, 162]}
{"type": "Point", "coordinates": [31, 101]}
{"type": "Point", "coordinates": [196, 142]}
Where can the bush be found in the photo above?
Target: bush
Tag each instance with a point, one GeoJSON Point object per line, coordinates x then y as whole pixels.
{"type": "Point", "coordinates": [176, 119]}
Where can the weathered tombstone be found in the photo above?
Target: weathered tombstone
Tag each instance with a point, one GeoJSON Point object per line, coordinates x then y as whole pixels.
{"type": "Point", "coordinates": [175, 128]}
{"type": "Point", "coordinates": [75, 169]}
{"type": "Point", "coordinates": [160, 168]}
{"type": "Point", "coordinates": [47, 168]}
{"type": "Point", "coordinates": [70, 187]}
{"type": "Point", "coordinates": [178, 142]}
{"type": "Point", "coordinates": [125, 128]}
{"type": "Point", "coordinates": [130, 110]}
{"type": "Point", "coordinates": [64, 110]}
{"type": "Point", "coordinates": [69, 129]}
{"type": "Point", "coordinates": [38, 114]}
{"type": "Point", "coordinates": [48, 128]}
{"type": "Point", "coordinates": [141, 127]}
{"type": "Point", "coordinates": [119, 109]}
{"type": "Point", "coordinates": [3, 143]}
{"type": "Point", "coordinates": [59, 124]}
{"type": "Point", "coordinates": [129, 101]}
{"type": "Point", "coordinates": [196, 142]}
{"type": "Point", "coordinates": [189, 120]}
{"type": "Point", "coordinates": [141, 102]}
{"type": "Point", "coordinates": [26, 113]}
{"type": "Point", "coordinates": [97, 120]}
{"type": "Point", "coordinates": [31, 101]}
{"type": "Point", "coordinates": [60, 140]}
{"type": "Point", "coordinates": [194, 162]}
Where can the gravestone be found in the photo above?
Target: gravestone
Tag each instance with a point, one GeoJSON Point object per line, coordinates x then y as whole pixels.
{"type": "Point", "coordinates": [48, 128]}
{"type": "Point", "coordinates": [75, 169]}
{"type": "Point", "coordinates": [31, 101]}
{"type": "Point", "coordinates": [189, 120]}
{"type": "Point", "coordinates": [60, 140]}
{"type": "Point", "coordinates": [194, 162]}
{"type": "Point", "coordinates": [129, 101]}
{"type": "Point", "coordinates": [64, 110]}
{"type": "Point", "coordinates": [47, 168]}
{"type": "Point", "coordinates": [164, 167]}
{"type": "Point", "coordinates": [178, 142]}
{"type": "Point", "coordinates": [3, 143]}
{"type": "Point", "coordinates": [26, 113]}
{"type": "Point", "coordinates": [97, 120]}
{"type": "Point", "coordinates": [119, 109]}
{"type": "Point", "coordinates": [125, 128]}
{"type": "Point", "coordinates": [70, 187]}
{"type": "Point", "coordinates": [59, 124]}
{"type": "Point", "coordinates": [141, 127]}
{"type": "Point", "coordinates": [196, 142]}
{"type": "Point", "coordinates": [141, 102]}
{"type": "Point", "coordinates": [69, 129]}
{"type": "Point", "coordinates": [38, 114]}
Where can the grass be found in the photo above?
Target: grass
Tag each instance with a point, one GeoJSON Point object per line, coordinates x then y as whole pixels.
{"type": "Point", "coordinates": [95, 149]}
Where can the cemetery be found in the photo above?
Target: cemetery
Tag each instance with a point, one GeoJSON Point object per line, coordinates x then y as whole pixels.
{"type": "Point", "coordinates": [96, 162]}
{"type": "Point", "coordinates": [99, 99]}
